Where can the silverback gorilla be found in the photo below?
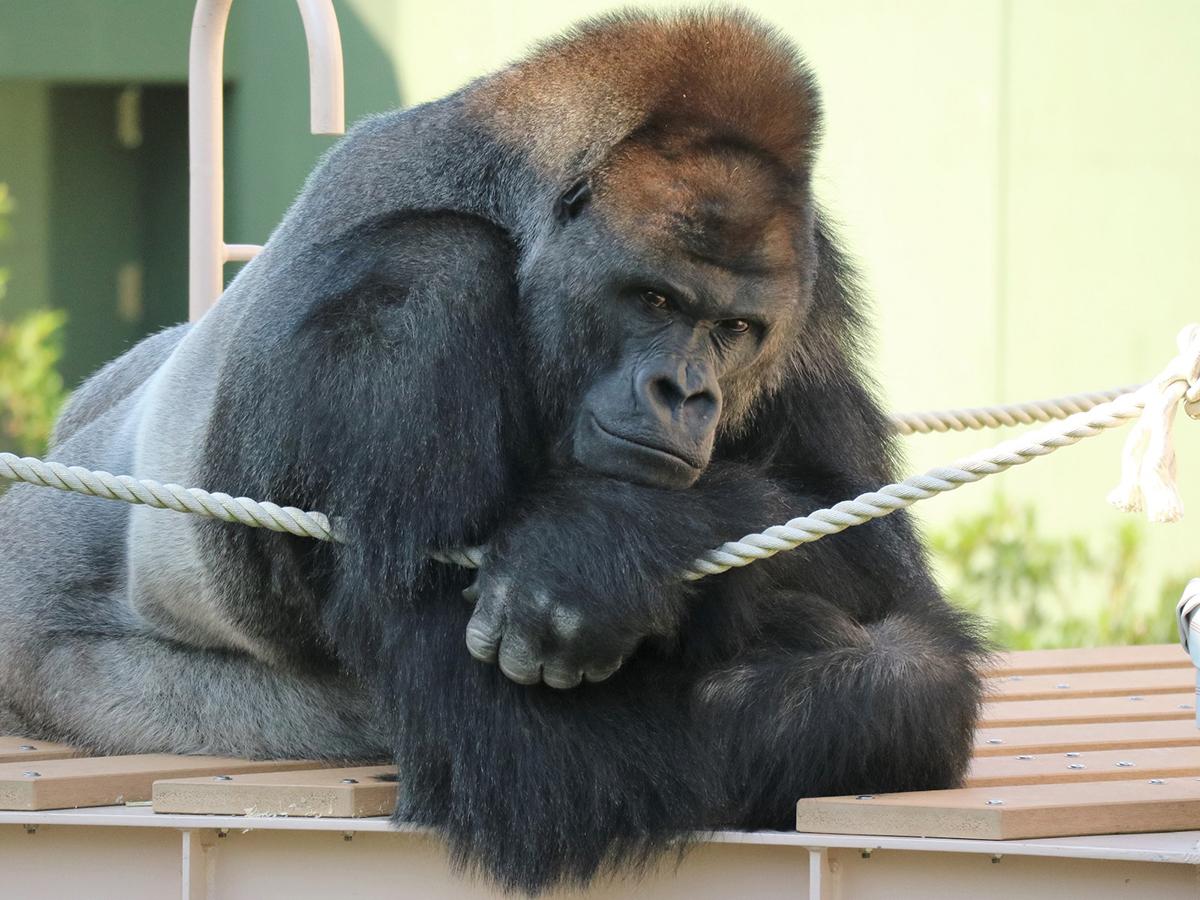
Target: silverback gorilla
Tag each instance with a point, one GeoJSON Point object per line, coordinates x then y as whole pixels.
{"type": "Point", "coordinates": [584, 311]}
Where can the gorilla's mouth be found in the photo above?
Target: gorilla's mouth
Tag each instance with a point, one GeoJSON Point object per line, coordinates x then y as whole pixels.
{"type": "Point", "coordinates": [634, 459]}
{"type": "Point", "coordinates": [673, 455]}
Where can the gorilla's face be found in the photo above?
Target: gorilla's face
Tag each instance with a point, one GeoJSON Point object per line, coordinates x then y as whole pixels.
{"type": "Point", "coordinates": [659, 307]}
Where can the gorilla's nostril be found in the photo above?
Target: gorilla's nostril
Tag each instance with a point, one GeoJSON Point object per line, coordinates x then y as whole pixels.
{"type": "Point", "coordinates": [702, 405]}
{"type": "Point", "coordinates": [667, 393]}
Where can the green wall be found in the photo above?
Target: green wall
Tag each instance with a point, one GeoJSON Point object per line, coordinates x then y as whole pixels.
{"type": "Point", "coordinates": [25, 167]}
{"type": "Point", "coordinates": [98, 222]}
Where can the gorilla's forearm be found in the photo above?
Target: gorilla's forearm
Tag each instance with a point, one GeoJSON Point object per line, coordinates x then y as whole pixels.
{"type": "Point", "coordinates": [590, 566]}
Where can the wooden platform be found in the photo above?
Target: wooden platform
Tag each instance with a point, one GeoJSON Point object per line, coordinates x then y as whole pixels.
{"type": "Point", "coordinates": [1076, 789]}
{"type": "Point", "coordinates": [1072, 742]}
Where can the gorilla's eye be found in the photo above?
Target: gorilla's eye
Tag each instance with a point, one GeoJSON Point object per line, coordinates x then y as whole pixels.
{"type": "Point", "coordinates": [737, 326]}
{"type": "Point", "coordinates": [655, 299]}
{"type": "Point", "coordinates": [574, 200]}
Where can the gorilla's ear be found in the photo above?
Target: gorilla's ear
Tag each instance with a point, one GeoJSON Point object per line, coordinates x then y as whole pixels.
{"type": "Point", "coordinates": [572, 202]}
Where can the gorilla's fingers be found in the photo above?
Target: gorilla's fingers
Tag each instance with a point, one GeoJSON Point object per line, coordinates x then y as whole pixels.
{"type": "Point", "coordinates": [483, 633]}
{"type": "Point", "coordinates": [517, 660]}
{"type": "Point", "coordinates": [557, 675]}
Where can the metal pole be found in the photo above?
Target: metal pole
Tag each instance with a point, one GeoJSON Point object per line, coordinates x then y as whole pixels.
{"type": "Point", "coordinates": [207, 250]}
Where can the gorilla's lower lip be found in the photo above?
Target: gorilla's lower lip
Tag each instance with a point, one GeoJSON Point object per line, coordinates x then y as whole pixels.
{"type": "Point", "coordinates": [665, 454]}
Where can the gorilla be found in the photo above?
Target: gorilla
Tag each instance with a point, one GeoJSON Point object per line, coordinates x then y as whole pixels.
{"type": "Point", "coordinates": [586, 312]}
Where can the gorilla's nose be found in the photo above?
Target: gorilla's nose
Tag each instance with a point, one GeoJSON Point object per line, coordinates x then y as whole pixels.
{"type": "Point", "coordinates": [684, 394]}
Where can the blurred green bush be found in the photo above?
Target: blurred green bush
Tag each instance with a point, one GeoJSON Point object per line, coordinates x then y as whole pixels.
{"type": "Point", "coordinates": [1039, 591]}
{"type": "Point", "coordinates": [31, 389]}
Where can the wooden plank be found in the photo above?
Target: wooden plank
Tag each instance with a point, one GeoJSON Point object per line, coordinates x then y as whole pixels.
{"type": "Point", "coordinates": [1005, 813]}
{"type": "Point", "coordinates": [1097, 736]}
{"type": "Point", "coordinates": [1120, 683]}
{"type": "Point", "coordinates": [1089, 659]}
{"type": "Point", "coordinates": [1081, 710]}
{"type": "Point", "coordinates": [19, 749]}
{"type": "Point", "coordinates": [1096, 765]}
{"type": "Point", "coordinates": [109, 780]}
{"type": "Point", "coordinates": [352, 793]}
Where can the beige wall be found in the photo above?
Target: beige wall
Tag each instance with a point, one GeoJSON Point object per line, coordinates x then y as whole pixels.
{"type": "Point", "coordinates": [1020, 180]}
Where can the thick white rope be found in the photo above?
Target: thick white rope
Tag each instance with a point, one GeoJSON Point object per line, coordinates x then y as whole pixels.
{"type": "Point", "coordinates": [290, 520]}
{"type": "Point", "coordinates": [900, 495]}
{"type": "Point", "coordinates": [1178, 383]}
{"type": "Point", "coordinates": [978, 417]}
{"type": "Point", "coordinates": [144, 492]}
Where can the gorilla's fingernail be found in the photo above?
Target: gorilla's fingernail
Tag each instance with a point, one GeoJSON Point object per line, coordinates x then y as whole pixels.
{"type": "Point", "coordinates": [520, 674]}
{"type": "Point", "coordinates": [481, 644]}
{"type": "Point", "coordinates": [595, 677]}
{"type": "Point", "coordinates": [518, 662]}
{"type": "Point", "coordinates": [471, 593]}
{"type": "Point", "coordinates": [561, 679]}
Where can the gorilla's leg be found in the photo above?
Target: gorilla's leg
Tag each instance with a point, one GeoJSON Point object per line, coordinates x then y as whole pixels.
{"type": "Point", "coordinates": [79, 665]}
{"type": "Point", "coordinates": [885, 706]}
{"type": "Point", "coordinates": [140, 694]}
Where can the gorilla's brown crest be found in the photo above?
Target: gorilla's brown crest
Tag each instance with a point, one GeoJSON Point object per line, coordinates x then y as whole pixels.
{"type": "Point", "coordinates": [679, 192]}
{"type": "Point", "coordinates": [576, 98]}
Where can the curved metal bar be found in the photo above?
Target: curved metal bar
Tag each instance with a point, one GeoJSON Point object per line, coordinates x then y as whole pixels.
{"type": "Point", "coordinates": [207, 250]}
{"type": "Point", "coordinates": [326, 81]}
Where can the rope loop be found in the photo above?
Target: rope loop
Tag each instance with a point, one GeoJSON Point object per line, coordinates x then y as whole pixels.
{"type": "Point", "coordinates": [1148, 463]}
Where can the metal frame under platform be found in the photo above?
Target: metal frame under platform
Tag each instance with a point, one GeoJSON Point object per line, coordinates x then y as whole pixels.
{"type": "Point", "coordinates": [132, 852]}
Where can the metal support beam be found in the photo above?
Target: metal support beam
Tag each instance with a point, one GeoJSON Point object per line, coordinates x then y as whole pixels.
{"type": "Point", "coordinates": [198, 864]}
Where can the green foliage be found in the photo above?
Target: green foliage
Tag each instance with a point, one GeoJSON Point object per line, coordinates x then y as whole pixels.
{"type": "Point", "coordinates": [1041, 591]}
{"type": "Point", "coordinates": [31, 390]}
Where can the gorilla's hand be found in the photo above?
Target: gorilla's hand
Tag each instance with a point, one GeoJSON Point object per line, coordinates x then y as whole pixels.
{"type": "Point", "coordinates": [539, 631]}
{"type": "Point", "coordinates": [590, 566]}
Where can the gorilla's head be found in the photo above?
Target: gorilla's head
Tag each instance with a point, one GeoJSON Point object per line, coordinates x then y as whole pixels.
{"type": "Point", "coordinates": [663, 298]}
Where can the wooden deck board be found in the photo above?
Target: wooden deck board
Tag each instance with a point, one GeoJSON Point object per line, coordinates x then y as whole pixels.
{"type": "Point", "coordinates": [991, 741]}
{"type": "Point", "coordinates": [112, 780]}
{"type": "Point", "coordinates": [1117, 683]}
{"type": "Point", "coordinates": [1089, 659]}
{"type": "Point", "coordinates": [1085, 765]}
{"type": "Point", "coordinates": [1084, 710]}
{"type": "Point", "coordinates": [348, 793]}
{"type": "Point", "coordinates": [1025, 811]}
{"type": "Point", "coordinates": [24, 750]}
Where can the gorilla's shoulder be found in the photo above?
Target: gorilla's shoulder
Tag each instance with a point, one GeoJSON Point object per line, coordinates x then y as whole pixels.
{"type": "Point", "coordinates": [116, 381]}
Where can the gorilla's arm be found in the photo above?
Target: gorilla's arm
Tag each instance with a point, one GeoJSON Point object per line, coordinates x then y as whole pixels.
{"type": "Point", "coordinates": [393, 403]}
